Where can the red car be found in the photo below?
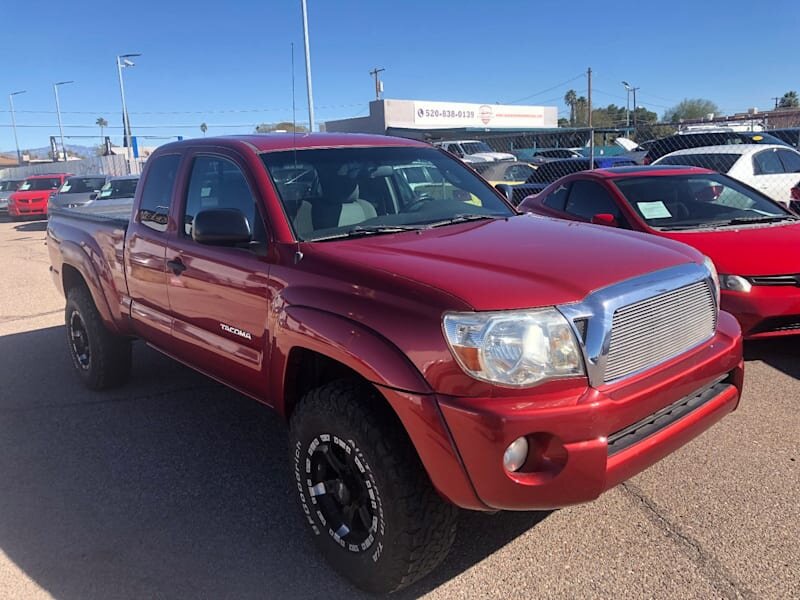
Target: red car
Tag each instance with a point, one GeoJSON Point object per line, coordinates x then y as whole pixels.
{"type": "Point", "coordinates": [752, 240]}
{"type": "Point", "coordinates": [32, 196]}
{"type": "Point", "coordinates": [430, 348]}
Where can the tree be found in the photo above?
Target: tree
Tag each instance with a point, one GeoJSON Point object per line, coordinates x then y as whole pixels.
{"type": "Point", "coordinates": [570, 98]}
{"type": "Point", "coordinates": [562, 122]}
{"type": "Point", "coordinates": [203, 127]}
{"type": "Point", "coordinates": [691, 108]}
{"type": "Point", "coordinates": [789, 100]}
{"type": "Point", "coordinates": [581, 111]}
{"type": "Point", "coordinates": [102, 124]}
{"type": "Point", "coordinates": [282, 126]}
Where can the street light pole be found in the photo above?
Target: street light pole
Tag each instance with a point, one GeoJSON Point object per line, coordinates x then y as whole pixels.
{"type": "Point", "coordinates": [308, 67]}
{"type": "Point", "coordinates": [627, 105]}
{"type": "Point", "coordinates": [122, 62]}
{"type": "Point", "coordinates": [58, 112]}
{"type": "Point", "coordinates": [14, 123]}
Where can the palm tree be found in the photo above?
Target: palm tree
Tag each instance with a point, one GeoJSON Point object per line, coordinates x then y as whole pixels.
{"type": "Point", "coordinates": [581, 110]}
{"type": "Point", "coordinates": [789, 100]}
{"type": "Point", "coordinates": [570, 98]}
{"type": "Point", "coordinates": [102, 124]}
{"type": "Point", "coordinates": [203, 128]}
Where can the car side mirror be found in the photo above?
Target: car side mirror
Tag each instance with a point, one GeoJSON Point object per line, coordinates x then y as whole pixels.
{"type": "Point", "coordinates": [506, 190]}
{"type": "Point", "coordinates": [93, 196]}
{"type": "Point", "coordinates": [605, 219]}
{"type": "Point", "coordinates": [221, 227]}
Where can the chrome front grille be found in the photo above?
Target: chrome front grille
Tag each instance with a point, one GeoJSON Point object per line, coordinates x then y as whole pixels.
{"type": "Point", "coordinates": [651, 331]}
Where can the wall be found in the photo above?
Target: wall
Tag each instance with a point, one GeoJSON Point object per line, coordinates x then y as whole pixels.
{"type": "Point", "coordinates": [98, 165]}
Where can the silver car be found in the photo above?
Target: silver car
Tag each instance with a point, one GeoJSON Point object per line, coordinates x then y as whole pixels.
{"type": "Point", "coordinates": [8, 187]}
{"type": "Point", "coordinates": [77, 191]}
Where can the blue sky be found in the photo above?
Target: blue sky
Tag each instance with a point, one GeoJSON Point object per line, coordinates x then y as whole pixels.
{"type": "Point", "coordinates": [203, 61]}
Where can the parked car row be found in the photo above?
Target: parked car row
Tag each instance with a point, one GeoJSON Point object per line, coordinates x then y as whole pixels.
{"type": "Point", "coordinates": [37, 194]}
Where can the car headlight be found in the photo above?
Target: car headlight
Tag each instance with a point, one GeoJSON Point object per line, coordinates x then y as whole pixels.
{"type": "Point", "coordinates": [735, 283]}
{"type": "Point", "coordinates": [709, 264]}
{"type": "Point", "coordinates": [514, 348]}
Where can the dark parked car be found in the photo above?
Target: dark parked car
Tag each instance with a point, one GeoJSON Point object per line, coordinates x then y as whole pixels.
{"type": "Point", "coordinates": [697, 139]}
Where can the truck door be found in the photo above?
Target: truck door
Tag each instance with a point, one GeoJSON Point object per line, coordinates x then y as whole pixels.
{"type": "Point", "coordinates": [146, 248]}
{"type": "Point", "coordinates": [219, 295]}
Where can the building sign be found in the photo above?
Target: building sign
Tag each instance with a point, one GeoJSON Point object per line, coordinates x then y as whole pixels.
{"type": "Point", "coordinates": [491, 116]}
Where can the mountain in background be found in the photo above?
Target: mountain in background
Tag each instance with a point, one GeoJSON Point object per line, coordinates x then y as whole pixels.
{"type": "Point", "coordinates": [75, 149]}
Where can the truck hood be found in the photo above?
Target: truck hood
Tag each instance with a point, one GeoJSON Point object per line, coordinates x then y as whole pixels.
{"type": "Point", "coordinates": [752, 250]}
{"type": "Point", "coordinates": [521, 262]}
{"type": "Point", "coordinates": [80, 198]}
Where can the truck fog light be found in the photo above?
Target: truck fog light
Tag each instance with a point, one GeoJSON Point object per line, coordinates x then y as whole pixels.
{"type": "Point", "coordinates": [515, 455]}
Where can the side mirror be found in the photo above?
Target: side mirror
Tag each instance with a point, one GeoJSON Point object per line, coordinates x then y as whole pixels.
{"type": "Point", "coordinates": [506, 190]}
{"type": "Point", "coordinates": [93, 196]}
{"type": "Point", "coordinates": [221, 227]}
{"type": "Point", "coordinates": [605, 219]}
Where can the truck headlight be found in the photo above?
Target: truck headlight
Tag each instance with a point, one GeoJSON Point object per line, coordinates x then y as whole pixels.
{"type": "Point", "coordinates": [514, 348]}
{"type": "Point", "coordinates": [709, 264]}
{"type": "Point", "coordinates": [735, 283]}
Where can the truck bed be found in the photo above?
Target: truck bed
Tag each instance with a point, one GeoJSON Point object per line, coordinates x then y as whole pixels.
{"type": "Point", "coordinates": [117, 215]}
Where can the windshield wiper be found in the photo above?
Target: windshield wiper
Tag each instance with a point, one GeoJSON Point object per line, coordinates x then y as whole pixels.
{"type": "Point", "coordinates": [464, 218]}
{"type": "Point", "coordinates": [761, 219]}
{"type": "Point", "coordinates": [363, 230]}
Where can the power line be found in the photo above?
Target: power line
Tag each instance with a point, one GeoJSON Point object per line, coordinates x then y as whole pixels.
{"type": "Point", "coordinates": [182, 112]}
{"type": "Point", "coordinates": [550, 89]}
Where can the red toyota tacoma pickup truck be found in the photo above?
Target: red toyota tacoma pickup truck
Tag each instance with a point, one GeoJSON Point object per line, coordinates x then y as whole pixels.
{"type": "Point", "coordinates": [430, 348]}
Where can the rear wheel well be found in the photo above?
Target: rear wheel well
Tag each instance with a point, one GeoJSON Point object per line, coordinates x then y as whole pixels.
{"type": "Point", "coordinates": [71, 278]}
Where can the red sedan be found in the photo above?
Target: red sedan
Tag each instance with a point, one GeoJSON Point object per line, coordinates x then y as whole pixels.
{"type": "Point", "coordinates": [31, 198]}
{"type": "Point", "coordinates": [752, 240]}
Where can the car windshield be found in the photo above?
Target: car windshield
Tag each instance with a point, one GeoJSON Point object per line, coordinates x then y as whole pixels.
{"type": "Point", "coordinates": [719, 162]}
{"type": "Point", "coordinates": [82, 185]}
{"type": "Point", "coordinates": [475, 147]}
{"type": "Point", "coordinates": [696, 201]}
{"type": "Point", "coordinates": [361, 191]}
{"type": "Point", "coordinates": [118, 188]}
{"type": "Point", "coordinates": [36, 185]}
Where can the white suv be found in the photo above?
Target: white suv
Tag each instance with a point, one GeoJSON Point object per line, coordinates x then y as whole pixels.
{"type": "Point", "coordinates": [473, 151]}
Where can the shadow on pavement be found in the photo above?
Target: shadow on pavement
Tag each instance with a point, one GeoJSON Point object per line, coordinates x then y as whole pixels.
{"type": "Point", "coordinates": [32, 226]}
{"type": "Point", "coordinates": [782, 353]}
{"type": "Point", "coordinates": [171, 487]}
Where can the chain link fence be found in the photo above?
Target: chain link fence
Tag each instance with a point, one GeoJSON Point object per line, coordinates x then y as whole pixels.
{"type": "Point", "coordinates": [762, 153]}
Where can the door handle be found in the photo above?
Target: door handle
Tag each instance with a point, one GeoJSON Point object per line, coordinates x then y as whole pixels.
{"type": "Point", "coordinates": [176, 266]}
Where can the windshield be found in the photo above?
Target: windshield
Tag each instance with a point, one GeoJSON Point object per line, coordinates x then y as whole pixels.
{"type": "Point", "coordinates": [82, 185]}
{"type": "Point", "coordinates": [475, 147]}
{"type": "Point", "coordinates": [355, 189]}
{"type": "Point", "coordinates": [118, 188]}
{"type": "Point", "coordinates": [36, 185]}
{"type": "Point", "coordinates": [691, 201]}
{"type": "Point", "coordinates": [721, 163]}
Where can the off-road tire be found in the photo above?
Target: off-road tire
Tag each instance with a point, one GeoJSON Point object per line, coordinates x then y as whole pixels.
{"type": "Point", "coordinates": [415, 527]}
{"type": "Point", "coordinates": [109, 355]}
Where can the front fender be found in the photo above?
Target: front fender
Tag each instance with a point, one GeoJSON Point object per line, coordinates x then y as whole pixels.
{"type": "Point", "coordinates": [382, 363]}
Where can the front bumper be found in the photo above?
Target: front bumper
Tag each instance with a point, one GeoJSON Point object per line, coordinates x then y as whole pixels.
{"type": "Point", "coordinates": [582, 420]}
{"type": "Point", "coordinates": [17, 209]}
{"type": "Point", "coordinates": [765, 311]}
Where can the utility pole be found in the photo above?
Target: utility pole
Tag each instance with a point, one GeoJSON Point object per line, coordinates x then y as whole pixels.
{"type": "Point", "coordinates": [776, 102]}
{"type": "Point", "coordinates": [14, 123]}
{"type": "Point", "coordinates": [58, 112]}
{"type": "Point", "coordinates": [308, 67]}
{"type": "Point", "coordinates": [591, 131]}
{"type": "Point", "coordinates": [376, 73]}
{"type": "Point", "coordinates": [634, 106]}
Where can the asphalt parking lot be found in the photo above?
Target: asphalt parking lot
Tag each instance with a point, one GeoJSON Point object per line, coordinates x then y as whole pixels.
{"type": "Point", "coordinates": [175, 487]}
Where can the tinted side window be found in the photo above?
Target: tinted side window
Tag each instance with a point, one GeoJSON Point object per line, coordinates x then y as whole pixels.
{"type": "Point", "coordinates": [157, 192]}
{"type": "Point", "coordinates": [790, 160]}
{"type": "Point", "coordinates": [587, 199]}
{"type": "Point", "coordinates": [767, 163]}
{"type": "Point", "coordinates": [217, 182]}
{"type": "Point", "coordinates": [557, 199]}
